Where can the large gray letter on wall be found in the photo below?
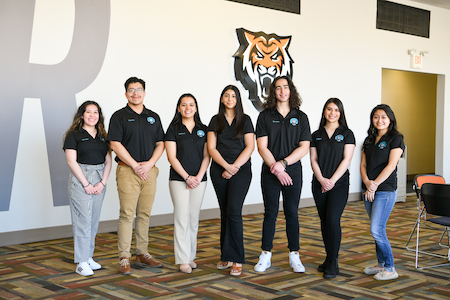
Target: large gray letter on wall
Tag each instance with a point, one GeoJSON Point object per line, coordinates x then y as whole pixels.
{"type": "Point", "coordinates": [55, 85]}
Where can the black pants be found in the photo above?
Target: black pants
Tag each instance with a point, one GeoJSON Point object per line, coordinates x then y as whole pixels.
{"type": "Point", "coordinates": [330, 206]}
{"type": "Point", "coordinates": [271, 188]}
{"type": "Point", "coordinates": [231, 195]}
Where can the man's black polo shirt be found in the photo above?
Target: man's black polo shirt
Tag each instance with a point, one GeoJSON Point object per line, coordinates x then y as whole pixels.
{"type": "Point", "coordinates": [330, 151]}
{"type": "Point", "coordinates": [137, 133]}
{"type": "Point", "coordinates": [377, 158]}
{"type": "Point", "coordinates": [190, 148]}
{"type": "Point", "coordinates": [90, 151]}
{"type": "Point", "coordinates": [284, 134]}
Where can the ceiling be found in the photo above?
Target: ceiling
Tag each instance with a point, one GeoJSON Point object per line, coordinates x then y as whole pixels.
{"type": "Point", "coordinates": [439, 3]}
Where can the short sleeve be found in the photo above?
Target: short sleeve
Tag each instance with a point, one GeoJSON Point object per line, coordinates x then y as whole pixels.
{"type": "Point", "coordinates": [261, 129]}
{"type": "Point", "coordinates": [71, 141]}
{"type": "Point", "coordinates": [350, 137]}
{"type": "Point", "coordinates": [160, 131]}
{"type": "Point", "coordinates": [397, 142]}
{"type": "Point", "coordinates": [313, 138]}
{"type": "Point", "coordinates": [115, 131]}
{"type": "Point", "coordinates": [306, 132]}
{"type": "Point", "coordinates": [212, 124]}
{"type": "Point", "coordinates": [248, 125]}
{"type": "Point", "coordinates": [170, 134]}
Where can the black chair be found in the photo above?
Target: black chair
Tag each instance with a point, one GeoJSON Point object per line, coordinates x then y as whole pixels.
{"type": "Point", "coordinates": [436, 200]}
{"type": "Point", "coordinates": [419, 180]}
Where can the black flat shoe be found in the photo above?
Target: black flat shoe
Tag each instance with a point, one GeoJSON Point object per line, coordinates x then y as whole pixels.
{"type": "Point", "coordinates": [329, 276]}
{"type": "Point", "coordinates": [322, 267]}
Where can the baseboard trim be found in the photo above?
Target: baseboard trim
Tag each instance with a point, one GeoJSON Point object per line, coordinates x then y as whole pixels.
{"type": "Point", "coordinates": [65, 231]}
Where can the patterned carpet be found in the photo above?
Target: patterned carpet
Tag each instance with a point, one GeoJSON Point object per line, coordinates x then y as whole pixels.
{"type": "Point", "coordinates": [45, 270]}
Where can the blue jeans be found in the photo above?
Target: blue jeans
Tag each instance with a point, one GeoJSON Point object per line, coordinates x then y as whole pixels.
{"type": "Point", "coordinates": [379, 211]}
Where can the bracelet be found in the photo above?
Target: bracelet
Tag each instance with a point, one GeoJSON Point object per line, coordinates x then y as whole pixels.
{"type": "Point", "coordinates": [102, 183]}
{"type": "Point", "coordinates": [86, 185]}
{"type": "Point", "coordinates": [187, 178]}
{"type": "Point", "coordinates": [285, 162]}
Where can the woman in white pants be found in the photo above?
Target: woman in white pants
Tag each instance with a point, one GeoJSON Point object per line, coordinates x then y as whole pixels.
{"type": "Point", "coordinates": [89, 159]}
{"type": "Point", "coordinates": [185, 143]}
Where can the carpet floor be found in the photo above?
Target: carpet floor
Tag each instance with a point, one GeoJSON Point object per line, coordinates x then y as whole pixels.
{"type": "Point", "coordinates": [45, 270]}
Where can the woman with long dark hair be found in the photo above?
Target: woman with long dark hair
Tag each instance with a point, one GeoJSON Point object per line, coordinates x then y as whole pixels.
{"type": "Point", "coordinates": [331, 152]}
{"type": "Point", "coordinates": [89, 159]}
{"type": "Point", "coordinates": [231, 141]}
{"type": "Point", "coordinates": [381, 152]}
{"type": "Point", "coordinates": [283, 137]}
{"type": "Point", "coordinates": [185, 143]}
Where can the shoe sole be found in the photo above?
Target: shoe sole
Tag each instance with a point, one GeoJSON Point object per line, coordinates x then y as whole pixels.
{"type": "Point", "coordinates": [146, 265]}
{"type": "Point", "coordinates": [125, 273]}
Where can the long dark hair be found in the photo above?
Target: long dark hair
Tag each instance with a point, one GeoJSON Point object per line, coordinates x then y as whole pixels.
{"type": "Point", "coordinates": [238, 114]}
{"type": "Point", "coordinates": [342, 120]}
{"type": "Point", "coordinates": [78, 121]}
{"type": "Point", "coordinates": [177, 119]}
{"type": "Point", "coordinates": [294, 100]}
{"type": "Point", "coordinates": [372, 132]}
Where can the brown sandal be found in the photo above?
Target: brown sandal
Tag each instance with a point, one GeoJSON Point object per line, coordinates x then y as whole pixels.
{"type": "Point", "coordinates": [236, 270]}
{"type": "Point", "coordinates": [222, 265]}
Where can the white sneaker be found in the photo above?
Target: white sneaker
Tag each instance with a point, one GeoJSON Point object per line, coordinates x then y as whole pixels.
{"type": "Point", "coordinates": [93, 264]}
{"type": "Point", "coordinates": [83, 269]}
{"type": "Point", "coordinates": [264, 261]}
{"type": "Point", "coordinates": [295, 262]}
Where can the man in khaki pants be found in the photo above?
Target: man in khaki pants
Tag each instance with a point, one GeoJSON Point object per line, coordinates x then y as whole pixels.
{"type": "Point", "coordinates": [136, 136]}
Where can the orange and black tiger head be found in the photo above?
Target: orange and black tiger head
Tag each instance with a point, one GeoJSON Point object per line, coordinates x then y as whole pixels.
{"type": "Point", "coordinates": [260, 58]}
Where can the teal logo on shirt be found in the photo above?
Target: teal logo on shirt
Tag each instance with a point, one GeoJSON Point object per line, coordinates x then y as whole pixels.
{"type": "Point", "coordinates": [293, 121]}
{"type": "Point", "coordinates": [200, 133]}
{"type": "Point", "coordinates": [85, 139]}
{"type": "Point", "coordinates": [151, 120]}
{"type": "Point", "coordinates": [339, 138]}
{"type": "Point", "coordinates": [382, 145]}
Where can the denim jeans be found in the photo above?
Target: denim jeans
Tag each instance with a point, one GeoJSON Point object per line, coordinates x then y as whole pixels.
{"type": "Point", "coordinates": [379, 211]}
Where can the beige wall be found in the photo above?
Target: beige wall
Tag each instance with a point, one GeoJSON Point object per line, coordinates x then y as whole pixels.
{"type": "Point", "coordinates": [412, 96]}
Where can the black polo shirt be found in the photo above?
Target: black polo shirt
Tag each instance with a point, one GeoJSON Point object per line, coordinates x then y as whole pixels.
{"type": "Point", "coordinates": [90, 151]}
{"type": "Point", "coordinates": [330, 151]}
{"type": "Point", "coordinates": [190, 148]}
{"type": "Point", "coordinates": [284, 134]}
{"type": "Point", "coordinates": [138, 133]}
{"type": "Point", "coordinates": [229, 147]}
{"type": "Point", "coordinates": [377, 158]}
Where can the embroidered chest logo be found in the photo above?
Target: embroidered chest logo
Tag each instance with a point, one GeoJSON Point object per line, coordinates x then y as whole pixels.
{"type": "Point", "coordinates": [200, 133]}
{"type": "Point", "coordinates": [151, 120]}
{"type": "Point", "coordinates": [102, 139]}
{"type": "Point", "coordinates": [382, 145]}
{"type": "Point", "coordinates": [339, 138]}
{"type": "Point", "coordinates": [260, 58]}
{"type": "Point", "coordinates": [293, 121]}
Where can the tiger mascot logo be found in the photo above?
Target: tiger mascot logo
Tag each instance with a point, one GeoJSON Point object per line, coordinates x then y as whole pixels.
{"type": "Point", "coordinates": [260, 58]}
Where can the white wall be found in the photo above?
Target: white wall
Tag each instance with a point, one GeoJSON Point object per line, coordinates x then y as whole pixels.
{"type": "Point", "coordinates": [187, 46]}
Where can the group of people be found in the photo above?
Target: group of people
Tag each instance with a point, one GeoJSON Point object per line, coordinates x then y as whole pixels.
{"type": "Point", "coordinates": [283, 138]}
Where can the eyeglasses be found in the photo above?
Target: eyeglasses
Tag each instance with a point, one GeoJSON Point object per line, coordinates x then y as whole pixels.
{"type": "Point", "coordinates": [131, 91]}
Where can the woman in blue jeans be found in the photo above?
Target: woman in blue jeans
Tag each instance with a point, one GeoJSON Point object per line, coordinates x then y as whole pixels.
{"type": "Point", "coordinates": [382, 149]}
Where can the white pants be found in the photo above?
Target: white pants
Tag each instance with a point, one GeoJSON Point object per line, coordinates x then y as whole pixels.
{"type": "Point", "coordinates": [186, 213]}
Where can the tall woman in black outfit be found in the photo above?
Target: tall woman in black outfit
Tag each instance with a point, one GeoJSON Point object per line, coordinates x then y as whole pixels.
{"type": "Point", "coordinates": [231, 141]}
{"type": "Point", "coordinates": [331, 152]}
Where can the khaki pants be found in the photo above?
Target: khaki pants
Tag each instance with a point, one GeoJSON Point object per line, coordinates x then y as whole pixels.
{"type": "Point", "coordinates": [136, 198]}
{"type": "Point", "coordinates": [186, 214]}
